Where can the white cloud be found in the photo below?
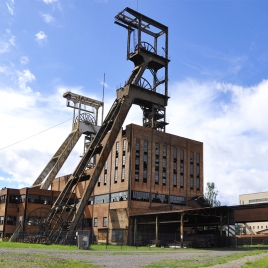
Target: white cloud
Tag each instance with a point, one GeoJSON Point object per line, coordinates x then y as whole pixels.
{"type": "Point", "coordinates": [10, 6]}
{"type": "Point", "coordinates": [41, 37]}
{"type": "Point", "coordinates": [231, 121]}
{"type": "Point", "coordinates": [24, 60]}
{"type": "Point", "coordinates": [12, 40]}
{"type": "Point", "coordinates": [4, 47]}
{"type": "Point", "coordinates": [50, 1]}
{"type": "Point", "coordinates": [31, 113]}
{"type": "Point", "coordinates": [47, 17]}
{"type": "Point", "coordinates": [24, 77]}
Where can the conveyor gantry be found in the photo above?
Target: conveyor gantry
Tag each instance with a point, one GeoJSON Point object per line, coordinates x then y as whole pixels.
{"type": "Point", "coordinates": [137, 90]}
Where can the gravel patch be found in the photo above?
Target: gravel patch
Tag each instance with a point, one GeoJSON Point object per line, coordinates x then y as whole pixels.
{"type": "Point", "coordinates": [135, 258]}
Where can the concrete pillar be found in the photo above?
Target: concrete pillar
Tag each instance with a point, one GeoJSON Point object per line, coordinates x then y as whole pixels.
{"type": "Point", "coordinates": [156, 229]}
{"type": "Point", "coordinates": [135, 231]}
{"type": "Point", "coordinates": [181, 231]}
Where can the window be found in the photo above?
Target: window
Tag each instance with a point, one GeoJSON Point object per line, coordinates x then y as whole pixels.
{"type": "Point", "coordinates": [182, 155]}
{"type": "Point", "coordinates": [174, 153]}
{"type": "Point", "coordinates": [191, 157]}
{"type": "Point", "coordinates": [191, 170]}
{"type": "Point", "coordinates": [137, 160]}
{"type": "Point", "coordinates": [164, 151]}
{"type": "Point", "coordinates": [145, 175]}
{"type": "Point", "coordinates": [177, 200]}
{"type": "Point", "coordinates": [119, 196]}
{"type": "Point", "coordinates": [106, 165]}
{"type": "Point", "coordinates": [105, 179]}
{"type": "Point", "coordinates": [145, 147]}
{"type": "Point", "coordinates": [124, 145]}
{"type": "Point", "coordinates": [14, 199]}
{"type": "Point", "coordinates": [124, 160]}
{"type": "Point", "coordinates": [99, 199]}
{"type": "Point", "coordinates": [197, 159]}
{"type": "Point", "coordinates": [174, 179]}
{"type": "Point", "coordinates": [117, 146]}
{"type": "Point", "coordinates": [11, 220]}
{"type": "Point", "coordinates": [191, 183]}
{"type": "Point", "coordinates": [145, 161]}
{"type": "Point", "coordinates": [181, 168]}
{"type": "Point", "coordinates": [197, 177]}
{"type": "Point", "coordinates": [116, 162]}
{"type": "Point", "coordinates": [164, 163]}
{"type": "Point", "coordinates": [2, 220]}
{"type": "Point", "coordinates": [181, 181]}
{"type": "Point", "coordinates": [104, 222]}
{"type": "Point", "coordinates": [157, 149]}
{"type": "Point", "coordinates": [123, 174]}
{"type": "Point", "coordinates": [99, 181]}
{"type": "Point", "coordinates": [115, 176]}
{"type": "Point", "coordinates": [140, 196]}
{"type": "Point", "coordinates": [87, 222]}
{"type": "Point", "coordinates": [117, 235]}
{"type": "Point", "coordinates": [156, 177]}
{"type": "Point", "coordinates": [160, 198]}
{"type": "Point", "coordinates": [164, 178]}
{"type": "Point", "coordinates": [2, 199]}
{"type": "Point", "coordinates": [95, 222]}
{"type": "Point", "coordinates": [91, 200]}
{"type": "Point", "coordinates": [137, 144]}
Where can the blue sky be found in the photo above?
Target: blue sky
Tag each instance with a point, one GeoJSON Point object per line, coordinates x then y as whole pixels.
{"type": "Point", "coordinates": [218, 81]}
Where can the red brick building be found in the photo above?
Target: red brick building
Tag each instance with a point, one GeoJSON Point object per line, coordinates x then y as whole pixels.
{"type": "Point", "coordinates": [146, 171]}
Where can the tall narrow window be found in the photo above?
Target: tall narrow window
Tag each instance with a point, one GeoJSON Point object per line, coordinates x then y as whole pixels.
{"type": "Point", "coordinates": [105, 179]}
{"type": "Point", "coordinates": [197, 171]}
{"type": "Point", "coordinates": [104, 222]}
{"type": "Point", "coordinates": [157, 151]}
{"type": "Point", "coordinates": [156, 177]}
{"type": "Point", "coordinates": [116, 162]}
{"type": "Point", "coordinates": [175, 167]}
{"type": "Point", "coordinates": [137, 160]}
{"type": "Point", "coordinates": [99, 181]}
{"type": "Point", "coordinates": [145, 161]}
{"type": "Point", "coordinates": [123, 174]}
{"type": "Point", "coordinates": [191, 170]}
{"type": "Point", "coordinates": [115, 176]}
{"type": "Point", "coordinates": [95, 222]}
{"type": "Point", "coordinates": [117, 146]}
{"type": "Point", "coordinates": [124, 145]}
{"type": "Point", "coordinates": [181, 168]}
{"type": "Point", "coordinates": [164, 165]}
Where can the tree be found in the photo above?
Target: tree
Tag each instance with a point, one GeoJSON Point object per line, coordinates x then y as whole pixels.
{"type": "Point", "coordinates": [211, 195]}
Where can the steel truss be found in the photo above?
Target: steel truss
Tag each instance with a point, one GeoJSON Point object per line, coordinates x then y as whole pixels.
{"type": "Point", "coordinates": [137, 90]}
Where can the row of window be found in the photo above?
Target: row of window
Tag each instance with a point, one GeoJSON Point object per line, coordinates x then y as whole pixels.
{"type": "Point", "coordinates": [104, 222]}
{"type": "Point", "coordinates": [258, 200]}
{"type": "Point", "coordinates": [11, 220]}
{"type": "Point", "coordinates": [137, 196]}
{"type": "Point", "coordinates": [162, 173]}
{"type": "Point", "coordinates": [158, 198]}
{"type": "Point", "coordinates": [257, 227]}
{"type": "Point", "coordinates": [105, 198]}
{"type": "Point", "coordinates": [32, 198]}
